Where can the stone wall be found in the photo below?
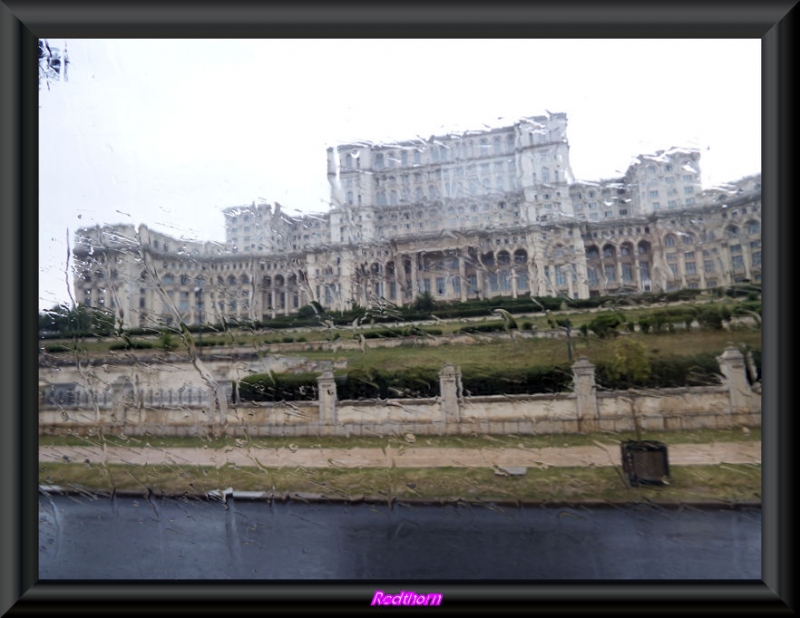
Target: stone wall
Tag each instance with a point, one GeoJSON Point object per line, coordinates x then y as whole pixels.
{"type": "Point", "coordinates": [175, 400]}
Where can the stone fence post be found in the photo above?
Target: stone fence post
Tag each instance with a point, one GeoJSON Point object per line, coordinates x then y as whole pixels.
{"type": "Point", "coordinates": [327, 398]}
{"type": "Point", "coordinates": [732, 367]}
{"type": "Point", "coordinates": [449, 390]}
{"type": "Point", "coordinates": [586, 395]}
{"type": "Point", "coordinates": [120, 389]}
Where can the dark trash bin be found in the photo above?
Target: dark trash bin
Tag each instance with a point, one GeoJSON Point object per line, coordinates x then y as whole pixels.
{"type": "Point", "coordinates": [645, 462]}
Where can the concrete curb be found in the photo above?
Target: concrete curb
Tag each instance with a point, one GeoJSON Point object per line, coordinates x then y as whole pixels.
{"type": "Point", "coordinates": [316, 498]}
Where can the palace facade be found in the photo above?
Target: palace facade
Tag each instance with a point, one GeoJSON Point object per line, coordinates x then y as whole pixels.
{"type": "Point", "coordinates": [474, 215]}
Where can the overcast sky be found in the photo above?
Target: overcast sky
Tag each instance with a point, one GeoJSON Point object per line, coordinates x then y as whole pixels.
{"type": "Point", "coordinates": [169, 132]}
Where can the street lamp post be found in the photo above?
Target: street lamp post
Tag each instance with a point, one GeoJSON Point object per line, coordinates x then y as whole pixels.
{"type": "Point", "coordinates": [198, 297]}
{"type": "Point", "coordinates": [568, 327]}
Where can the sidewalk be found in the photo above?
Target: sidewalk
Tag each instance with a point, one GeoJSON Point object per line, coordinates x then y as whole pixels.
{"type": "Point", "coordinates": [402, 457]}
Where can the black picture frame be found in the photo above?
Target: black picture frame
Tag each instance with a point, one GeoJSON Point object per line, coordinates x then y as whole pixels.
{"type": "Point", "coordinates": [23, 22]}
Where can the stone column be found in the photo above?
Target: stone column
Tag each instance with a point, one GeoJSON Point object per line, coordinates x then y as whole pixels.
{"type": "Point", "coordinates": [449, 390]}
{"type": "Point", "coordinates": [481, 284]}
{"type": "Point", "coordinates": [327, 398]}
{"type": "Point", "coordinates": [462, 273]}
{"type": "Point", "coordinates": [586, 395]}
{"type": "Point", "coordinates": [732, 367]}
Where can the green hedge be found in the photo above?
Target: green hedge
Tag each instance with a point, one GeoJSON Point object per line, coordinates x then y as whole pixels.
{"type": "Point", "coordinates": [278, 387]}
{"type": "Point", "coordinates": [486, 327]}
{"type": "Point", "coordinates": [415, 382]}
{"type": "Point", "coordinates": [132, 345]}
{"type": "Point", "coordinates": [532, 380]}
{"type": "Point", "coordinates": [698, 370]}
{"type": "Point", "coordinates": [423, 382]}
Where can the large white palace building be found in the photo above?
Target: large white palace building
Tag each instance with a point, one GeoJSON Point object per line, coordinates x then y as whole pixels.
{"type": "Point", "coordinates": [474, 215]}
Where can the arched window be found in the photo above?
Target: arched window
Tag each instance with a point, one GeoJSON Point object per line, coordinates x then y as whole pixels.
{"type": "Point", "coordinates": [503, 258]}
{"type": "Point", "coordinates": [669, 240]}
{"type": "Point", "coordinates": [592, 253]}
{"type": "Point", "coordinates": [733, 231]}
{"type": "Point", "coordinates": [609, 252]}
{"type": "Point", "coordinates": [753, 227]}
{"type": "Point", "coordinates": [520, 256]}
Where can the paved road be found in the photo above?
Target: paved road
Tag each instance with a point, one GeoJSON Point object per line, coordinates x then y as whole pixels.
{"type": "Point", "coordinates": [403, 457]}
{"type": "Point", "coordinates": [94, 537]}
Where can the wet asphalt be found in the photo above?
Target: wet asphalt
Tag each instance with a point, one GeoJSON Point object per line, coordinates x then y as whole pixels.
{"type": "Point", "coordinates": [89, 537]}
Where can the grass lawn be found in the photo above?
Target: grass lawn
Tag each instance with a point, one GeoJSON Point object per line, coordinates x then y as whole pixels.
{"type": "Point", "coordinates": [717, 484]}
{"type": "Point", "coordinates": [698, 436]}
{"type": "Point", "coordinates": [723, 484]}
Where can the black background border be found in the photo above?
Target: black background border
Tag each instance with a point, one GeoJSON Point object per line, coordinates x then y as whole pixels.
{"type": "Point", "coordinates": [23, 22]}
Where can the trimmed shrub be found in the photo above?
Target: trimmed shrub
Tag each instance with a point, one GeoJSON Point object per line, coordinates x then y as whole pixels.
{"type": "Point", "coordinates": [56, 348]}
{"type": "Point", "coordinates": [531, 380]}
{"type": "Point", "coordinates": [131, 345]}
{"type": "Point", "coordinates": [279, 387]}
{"type": "Point", "coordinates": [414, 382]}
{"type": "Point", "coordinates": [605, 324]}
{"type": "Point", "coordinates": [698, 370]}
{"type": "Point", "coordinates": [485, 327]}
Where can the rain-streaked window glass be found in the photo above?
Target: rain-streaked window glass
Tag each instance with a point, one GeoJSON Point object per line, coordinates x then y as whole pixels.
{"type": "Point", "coordinates": [257, 296]}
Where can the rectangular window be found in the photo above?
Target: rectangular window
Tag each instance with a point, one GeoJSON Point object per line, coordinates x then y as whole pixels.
{"type": "Point", "coordinates": [627, 273]}
{"type": "Point", "coordinates": [426, 285]}
{"type": "Point", "coordinates": [708, 266]}
{"type": "Point", "coordinates": [611, 273]}
{"type": "Point", "coordinates": [522, 281]}
{"type": "Point", "coordinates": [691, 269]}
{"type": "Point", "coordinates": [457, 285]}
{"type": "Point", "coordinates": [757, 258]}
{"type": "Point", "coordinates": [440, 281]}
{"type": "Point", "coordinates": [672, 257]}
{"type": "Point", "coordinates": [392, 290]}
{"type": "Point", "coordinates": [472, 281]}
{"type": "Point", "coordinates": [738, 262]}
{"type": "Point", "coordinates": [561, 278]}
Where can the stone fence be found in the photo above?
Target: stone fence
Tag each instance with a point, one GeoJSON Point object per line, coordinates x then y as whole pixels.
{"type": "Point", "coordinates": [145, 400]}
